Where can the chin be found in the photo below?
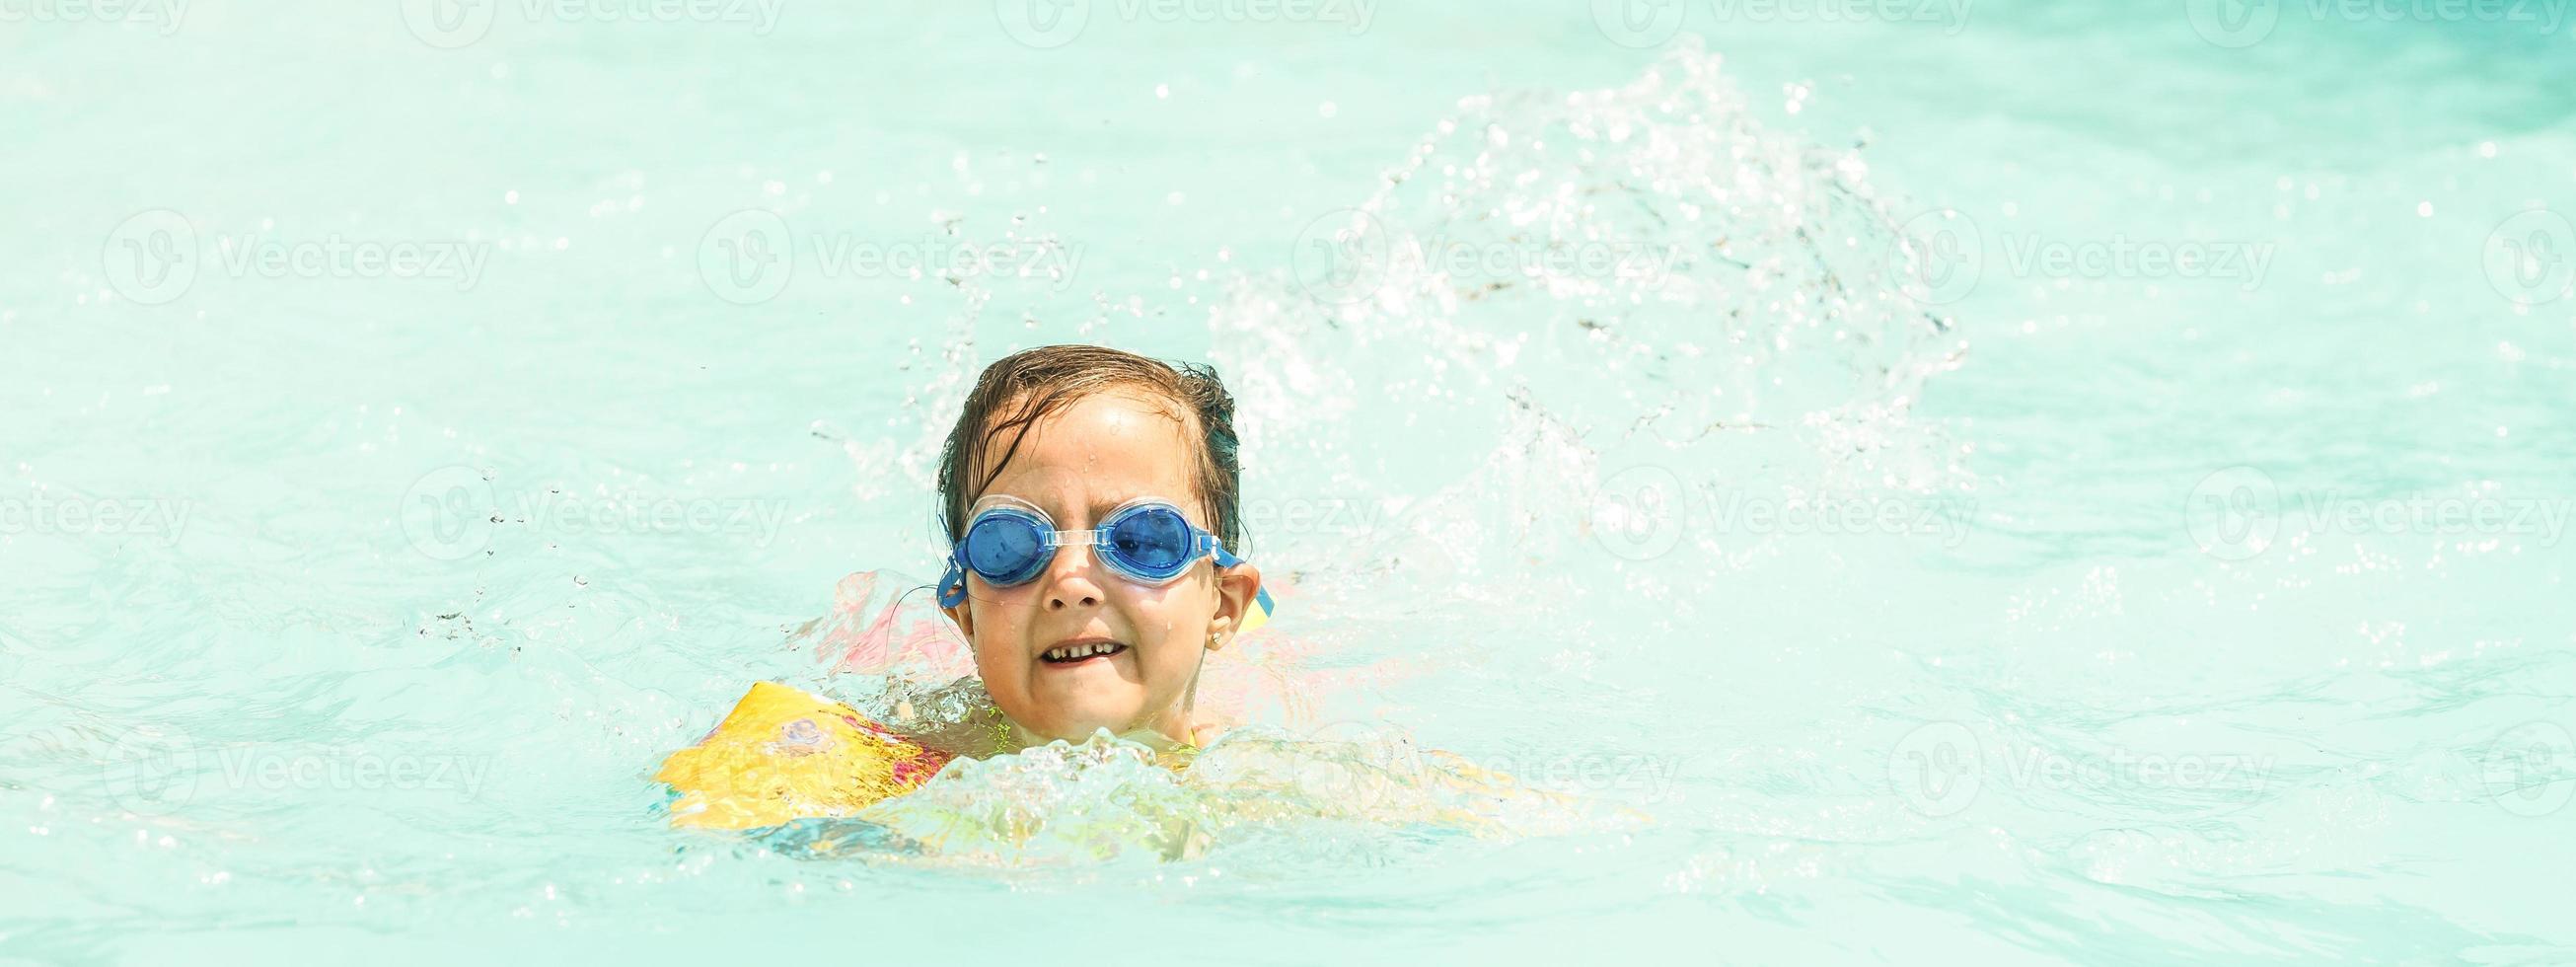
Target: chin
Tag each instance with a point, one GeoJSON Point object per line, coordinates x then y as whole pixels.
{"type": "Point", "coordinates": [1076, 724]}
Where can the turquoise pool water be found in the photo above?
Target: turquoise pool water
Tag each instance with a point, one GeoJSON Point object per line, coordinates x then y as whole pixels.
{"type": "Point", "coordinates": [1977, 482]}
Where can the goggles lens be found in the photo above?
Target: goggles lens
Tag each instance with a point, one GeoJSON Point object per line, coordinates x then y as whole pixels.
{"type": "Point", "coordinates": [1007, 546]}
{"type": "Point", "coordinates": [1149, 542]}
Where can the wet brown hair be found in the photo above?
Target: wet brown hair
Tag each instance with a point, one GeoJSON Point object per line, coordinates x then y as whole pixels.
{"type": "Point", "coordinates": [1020, 389]}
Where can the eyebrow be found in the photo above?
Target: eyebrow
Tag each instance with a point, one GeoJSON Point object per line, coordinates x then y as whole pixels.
{"type": "Point", "coordinates": [1101, 508]}
{"type": "Point", "coordinates": [1097, 508]}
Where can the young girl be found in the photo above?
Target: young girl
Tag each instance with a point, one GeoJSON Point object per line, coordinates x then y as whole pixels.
{"type": "Point", "coordinates": [1090, 498]}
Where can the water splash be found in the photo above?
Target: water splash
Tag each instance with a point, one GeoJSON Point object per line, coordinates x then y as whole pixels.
{"type": "Point", "coordinates": [1554, 287]}
{"type": "Point", "coordinates": [1106, 799]}
{"type": "Point", "coordinates": [1655, 236]}
{"type": "Point", "coordinates": [1550, 289]}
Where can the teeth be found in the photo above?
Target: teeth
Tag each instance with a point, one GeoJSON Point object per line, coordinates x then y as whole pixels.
{"type": "Point", "coordinates": [1081, 651]}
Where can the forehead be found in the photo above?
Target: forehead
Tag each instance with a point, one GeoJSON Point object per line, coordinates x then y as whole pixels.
{"type": "Point", "coordinates": [1097, 452]}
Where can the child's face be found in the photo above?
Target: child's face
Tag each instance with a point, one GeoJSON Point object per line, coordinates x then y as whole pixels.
{"type": "Point", "coordinates": [1077, 464]}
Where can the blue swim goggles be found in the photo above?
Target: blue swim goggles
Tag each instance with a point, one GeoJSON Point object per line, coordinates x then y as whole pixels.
{"type": "Point", "coordinates": [1145, 540]}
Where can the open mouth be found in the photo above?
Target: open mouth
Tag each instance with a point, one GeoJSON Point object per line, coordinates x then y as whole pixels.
{"type": "Point", "coordinates": [1077, 653]}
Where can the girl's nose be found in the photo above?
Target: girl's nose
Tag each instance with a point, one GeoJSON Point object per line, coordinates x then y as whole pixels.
{"type": "Point", "coordinates": [1069, 584]}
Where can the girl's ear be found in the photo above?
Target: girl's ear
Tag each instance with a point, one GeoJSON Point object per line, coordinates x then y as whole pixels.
{"type": "Point", "coordinates": [1235, 587]}
{"type": "Point", "coordinates": [963, 618]}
